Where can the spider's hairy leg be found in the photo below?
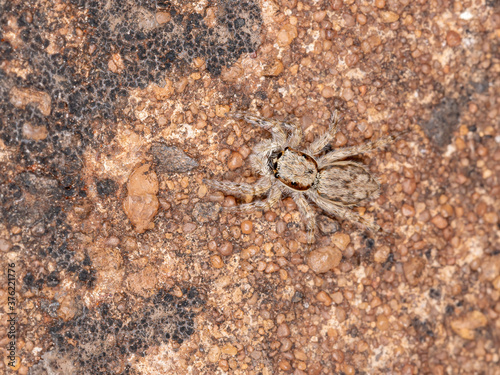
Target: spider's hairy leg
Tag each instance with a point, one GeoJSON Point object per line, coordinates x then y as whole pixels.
{"type": "Point", "coordinates": [296, 134]}
{"type": "Point", "coordinates": [307, 213]}
{"type": "Point", "coordinates": [273, 197]}
{"type": "Point", "coordinates": [346, 152]}
{"type": "Point", "coordinates": [320, 143]}
{"type": "Point", "coordinates": [273, 126]}
{"type": "Point", "coordinates": [342, 212]}
{"type": "Point", "coordinates": [259, 188]}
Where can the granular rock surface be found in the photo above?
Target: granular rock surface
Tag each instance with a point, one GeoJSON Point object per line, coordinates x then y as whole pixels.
{"type": "Point", "coordinates": [113, 113]}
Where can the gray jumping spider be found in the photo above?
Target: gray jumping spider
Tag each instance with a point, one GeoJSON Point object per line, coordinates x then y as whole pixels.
{"type": "Point", "coordinates": [331, 182]}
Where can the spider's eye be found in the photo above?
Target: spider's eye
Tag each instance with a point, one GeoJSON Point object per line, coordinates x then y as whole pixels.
{"type": "Point", "coordinates": [294, 183]}
{"type": "Point", "coordinates": [304, 156]}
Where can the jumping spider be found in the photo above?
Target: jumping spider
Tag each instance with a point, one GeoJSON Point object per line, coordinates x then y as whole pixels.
{"type": "Point", "coordinates": [331, 182]}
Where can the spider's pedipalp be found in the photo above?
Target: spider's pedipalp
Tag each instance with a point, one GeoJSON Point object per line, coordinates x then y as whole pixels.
{"type": "Point", "coordinates": [340, 211]}
{"type": "Point", "coordinates": [346, 152]}
{"type": "Point", "coordinates": [320, 143]}
{"type": "Point", "coordinates": [273, 197]}
{"type": "Point", "coordinates": [273, 126]}
{"type": "Point", "coordinates": [307, 213]}
{"type": "Point", "coordinates": [259, 188]}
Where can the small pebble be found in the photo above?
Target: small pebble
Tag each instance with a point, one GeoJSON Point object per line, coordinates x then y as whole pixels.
{"type": "Point", "coordinates": [408, 210]}
{"type": "Point", "coordinates": [246, 227]}
{"type": "Point", "coordinates": [324, 259]}
{"type": "Point", "coordinates": [271, 267]}
{"type": "Point", "coordinates": [382, 323]}
{"type": "Point", "coordinates": [388, 16]}
{"type": "Point", "coordinates": [284, 365]}
{"type": "Point", "coordinates": [5, 245]}
{"type": "Point", "coordinates": [413, 270]}
{"type": "Point", "coordinates": [283, 330]}
{"type": "Point", "coordinates": [225, 249]}
{"type": "Point", "coordinates": [249, 252]}
{"type": "Point", "coordinates": [341, 240]}
{"type": "Point", "coordinates": [409, 186]}
{"type": "Point", "coordinates": [235, 161]}
{"type": "Point", "coordinates": [270, 216]}
{"type": "Point", "coordinates": [286, 35]}
{"type": "Point", "coordinates": [324, 298]}
{"type": "Point", "coordinates": [381, 254]}
{"type": "Point", "coordinates": [216, 261]}
{"type": "Point", "coordinates": [453, 38]}
{"type": "Point", "coordinates": [439, 221]}
{"type": "Point", "coordinates": [328, 92]}
{"type": "Point", "coordinates": [188, 227]}
{"type": "Point", "coordinates": [491, 217]}
{"type": "Point", "coordinates": [466, 325]}
{"type": "Point", "coordinates": [214, 354]}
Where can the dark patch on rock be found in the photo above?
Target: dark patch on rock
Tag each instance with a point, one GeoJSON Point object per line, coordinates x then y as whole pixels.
{"type": "Point", "coordinates": [171, 159]}
{"type": "Point", "coordinates": [204, 212]}
{"type": "Point", "coordinates": [444, 120]}
{"type": "Point", "coordinates": [100, 341]}
{"type": "Point", "coordinates": [106, 187]}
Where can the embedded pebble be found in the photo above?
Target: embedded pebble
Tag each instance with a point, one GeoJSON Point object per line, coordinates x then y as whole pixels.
{"type": "Point", "coordinates": [216, 261]}
{"type": "Point", "coordinates": [21, 97]}
{"type": "Point", "coordinates": [188, 227]}
{"type": "Point", "coordinates": [235, 161]}
{"type": "Point", "coordinates": [141, 203]}
{"type": "Point", "coordinates": [453, 38]}
{"type": "Point", "coordinates": [246, 227]}
{"type": "Point", "coordinates": [490, 268]}
{"type": "Point", "coordinates": [407, 210]}
{"type": "Point", "coordinates": [35, 133]}
{"type": "Point", "coordinates": [491, 217]}
{"type": "Point", "coordinates": [283, 330]}
{"type": "Point", "coordinates": [324, 298]}
{"type": "Point", "coordinates": [5, 245]}
{"type": "Point", "coordinates": [286, 35]}
{"type": "Point", "coordinates": [439, 221]}
{"type": "Point", "coordinates": [213, 354]}
{"type": "Point", "coordinates": [413, 270]}
{"type": "Point", "coordinates": [341, 240]}
{"type": "Point", "coordinates": [381, 254]}
{"type": "Point", "coordinates": [226, 248]}
{"type": "Point", "coordinates": [270, 216]}
{"type": "Point", "coordinates": [328, 92]}
{"type": "Point", "coordinates": [388, 16]}
{"type": "Point", "coordinates": [466, 325]}
{"type": "Point", "coordinates": [324, 259]}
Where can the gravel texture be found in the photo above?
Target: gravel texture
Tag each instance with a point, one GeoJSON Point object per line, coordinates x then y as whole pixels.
{"type": "Point", "coordinates": [112, 114]}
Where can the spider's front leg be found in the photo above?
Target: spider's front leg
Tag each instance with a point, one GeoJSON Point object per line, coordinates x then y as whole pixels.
{"type": "Point", "coordinates": [320, 143]}
{"type": "Point", "coordinates": [273, 197]}
{"type": "Point", "coordinates": [346, 152]}
{"type": "Point", "coordinates": [272, 126]}
{"type": "Point", "coordinates": [259, 188]}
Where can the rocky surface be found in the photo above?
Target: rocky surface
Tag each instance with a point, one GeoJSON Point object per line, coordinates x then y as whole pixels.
{"type": "Point", "coordinates": [112, 114]}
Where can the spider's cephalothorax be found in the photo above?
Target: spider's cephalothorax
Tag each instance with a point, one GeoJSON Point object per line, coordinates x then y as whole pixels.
{"type": "Point", "coordinates": [330, 181]}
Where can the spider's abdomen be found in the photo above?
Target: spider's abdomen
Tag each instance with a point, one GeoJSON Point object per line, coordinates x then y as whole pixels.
{"type": "Point", "coordinates": [294, 168]}
{"type": "Point", "coordinates": [347, 183]}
